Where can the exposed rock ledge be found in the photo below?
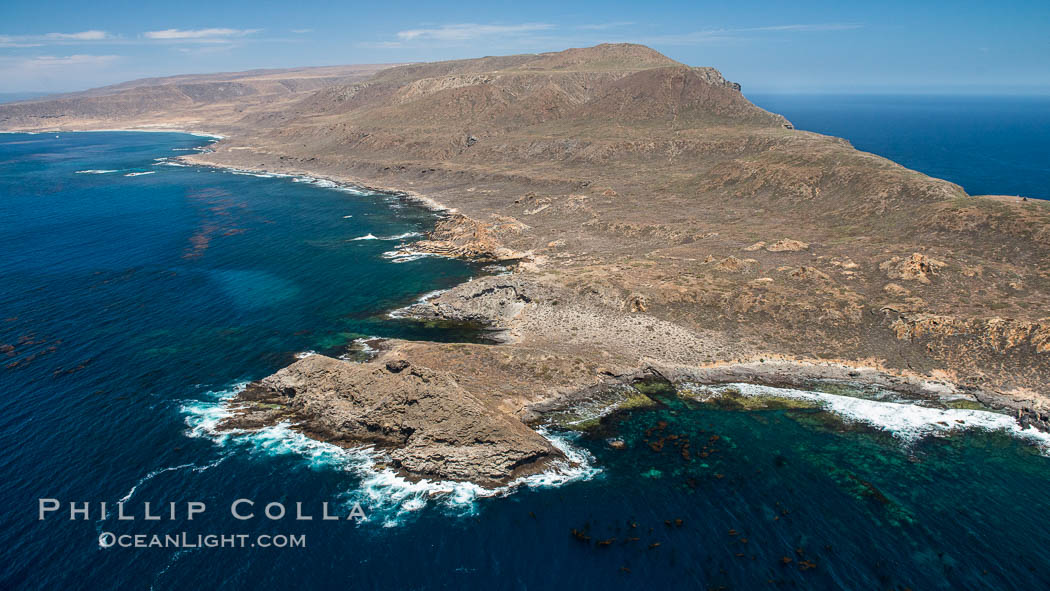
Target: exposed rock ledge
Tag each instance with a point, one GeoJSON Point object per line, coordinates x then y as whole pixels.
{"type": "Point", "coordinates": [461, 411]}
{"type": "Point", "coordinates": [431, 426]}
{"type": "Point", "coordinates": [460, 236]}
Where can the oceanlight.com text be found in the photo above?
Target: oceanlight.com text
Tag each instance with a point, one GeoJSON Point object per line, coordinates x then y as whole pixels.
{"type": "Point", "coordinates": [185, 540]}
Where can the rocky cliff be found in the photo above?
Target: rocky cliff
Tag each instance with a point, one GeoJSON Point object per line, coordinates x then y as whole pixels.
{"type": "Point", "coordinates": [656, 221]}
{"type": "Point", "coordinates": [431, 426]}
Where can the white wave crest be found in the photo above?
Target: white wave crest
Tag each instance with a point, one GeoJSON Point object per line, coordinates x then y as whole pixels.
{"type": "Point", "coordinates": [95, 171]}
{"type": "Point", "coordinates": [396, 497]}
{"type": "Point", "coordinates": [371, 236]}
{"type": "Point", "coordinates": [907, 421]}
{"type": "Point", "coordinates": [403, 312]}
{"type": "Point", "coordinates": [140, 173]}
{"type": "Point", "coordinates": [324, 183]}
{"type": "Point", "coordinates": [261, 175]}
{"type": "Point", "coordinates": [404, 255]}
{"type": "Point", "coordinates": [388, 498]}
{"type": "Point", "coordinates": [330, 184]}
{"type": "Point", "coordinates": [401, 236]}
{"type": "Point", "coordinates": [203, 416]}
{"type": "Point", "coordinates": [361, 347]}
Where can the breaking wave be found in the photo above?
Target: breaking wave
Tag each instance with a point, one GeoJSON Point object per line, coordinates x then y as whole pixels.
{"type": "Point", "coordinates": [389, 499]}
{"type": "Point", "coordinates": [403, 312]}
{"type": "Point", "coordinates": [401, 236]}
{"type": "Point", "coordinates": [261, 175]}
{"type": "Point", "coordinates": [404, 255]}
{"type": "Point", "coordinates": [394, 237]}
{"type": "Point", "coordinates": [329, 184]}
{"type": "Point", "coordinates": [360, 349]}
{"type": "Point", "coordinates": [906, 421]}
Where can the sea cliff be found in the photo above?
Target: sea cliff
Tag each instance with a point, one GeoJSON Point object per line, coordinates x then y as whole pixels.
{"type": "Point", "coordinates": [656, 224]}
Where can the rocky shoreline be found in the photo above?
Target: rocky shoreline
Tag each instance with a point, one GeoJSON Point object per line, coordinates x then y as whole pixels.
{"type": "Point", "coordinates": [429, 426]}
{"type": "Point", "coordinates": [657, 223]}
{"type": "Point", "coordinates": [446, 424]}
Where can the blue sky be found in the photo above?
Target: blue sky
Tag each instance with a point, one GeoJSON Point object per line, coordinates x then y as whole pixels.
{"type": "Point", "coordinates": [889, 46]}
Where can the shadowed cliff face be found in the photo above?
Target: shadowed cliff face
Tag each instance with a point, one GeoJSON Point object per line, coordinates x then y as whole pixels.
{"type": "Point", "coordinates": [660, 220]}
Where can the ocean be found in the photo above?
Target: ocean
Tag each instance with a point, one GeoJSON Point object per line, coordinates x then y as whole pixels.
{"type": "Point", "coordinates": [138, 294]}
{"type": "Point", "coordinates": [990, 145]}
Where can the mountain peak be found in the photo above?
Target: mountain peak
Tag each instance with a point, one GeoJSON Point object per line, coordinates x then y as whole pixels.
{"type": "Point", "coordinates": [607, 56]}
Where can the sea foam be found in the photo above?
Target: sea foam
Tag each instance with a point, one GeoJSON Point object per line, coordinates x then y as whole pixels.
{"type": "Point", "coordinates": [371, 236]}
{"type": "Point", "coordinates": [401, 236]}
{"type": "Point", "coordinates": [359, 348]}
{"type": "Point", "coordinates": [403, 312]}
{"type": "Point", "coordinates": [905, 420]}
{"type": "Point", "coordinates": [404, 255]}
{"type": "Point", "coordinates": [388, 498]}
{"type": "Point", "coordinates": [261, 175]}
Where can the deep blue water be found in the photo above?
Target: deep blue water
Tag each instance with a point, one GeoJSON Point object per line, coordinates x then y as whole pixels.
{"type": "Point", "coordinates": [131, 304]}
{"type": "Point", "coordinates": [991, 145]}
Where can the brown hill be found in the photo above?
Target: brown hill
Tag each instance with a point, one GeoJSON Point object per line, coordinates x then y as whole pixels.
{"type": "Point", "coordinates": [214, 99]}
{"type": "Point", "coordinates": [665, 222]}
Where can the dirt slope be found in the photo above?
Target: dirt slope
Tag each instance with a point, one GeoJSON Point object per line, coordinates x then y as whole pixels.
{"type": "Point", "coordinates": [660, 223]}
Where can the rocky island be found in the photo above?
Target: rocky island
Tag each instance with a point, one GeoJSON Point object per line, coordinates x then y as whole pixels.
{"type": "Point", "coordinates": [659, 226]}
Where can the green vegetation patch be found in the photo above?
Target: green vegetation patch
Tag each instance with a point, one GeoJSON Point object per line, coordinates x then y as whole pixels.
{"type": "Point", "coordinates": [588, 415]}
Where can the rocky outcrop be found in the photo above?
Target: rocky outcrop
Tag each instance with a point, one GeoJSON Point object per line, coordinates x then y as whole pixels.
{"type": "Point", "coordinates": [429, 425]}
{"type": "Point", "coordinates": [805, 273]}
{"type": "Point", "coordinates": [1030, 417]}
{"type": "Point", "coordinates": [460, 236]}
{"type": "Point", "coordinates": [731, 264]}
{"type": "Point", "coordinates": [997, 334]}
{"type": "Point", "coordinates": [787, 245]}
{"type": "Point", "coordinates": [492, 301]}
{"type": "Point", "coordinates": [917, 267]}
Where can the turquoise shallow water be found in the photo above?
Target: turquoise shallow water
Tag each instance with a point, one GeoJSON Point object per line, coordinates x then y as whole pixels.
{"type": "Point", "coordinates": [132, 304]}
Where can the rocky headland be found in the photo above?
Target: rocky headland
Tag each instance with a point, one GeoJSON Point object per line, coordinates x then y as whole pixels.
{"type": "Point", "coordinates": [658, 226]}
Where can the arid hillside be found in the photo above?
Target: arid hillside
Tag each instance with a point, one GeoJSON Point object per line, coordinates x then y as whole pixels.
{"type": "Point", "coordinates": [641, 179]}
{"type": "Point", "coordinates": [656, 218]}
{"type": "Point", "coordinates": [197, 99]}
